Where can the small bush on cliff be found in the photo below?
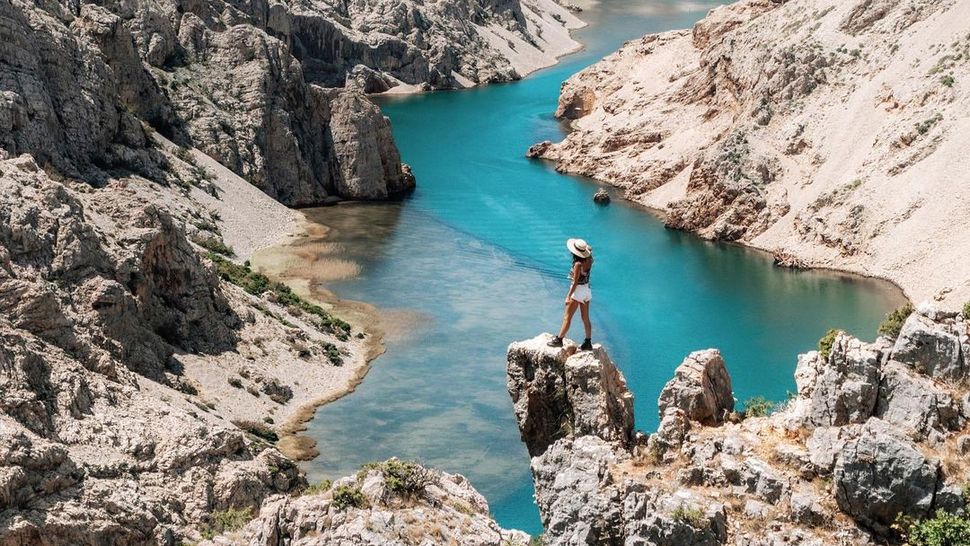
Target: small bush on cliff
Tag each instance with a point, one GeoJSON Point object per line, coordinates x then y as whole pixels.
{"type": "Point", "coordinates": [693, 517]}
{"type": "Point", "coordinates": [966, 311]}
{"type": "Point", "coordinates": [214, 244]}
{"type": "Point", "coordinates": [347, 496]}
{"type": "Point", "coordinates": [825, 344]}
{"type": "Point", "coordinates": [758, 406]}
{"type": "Point", "coordinates": [943, 529]}
{"type": "Point", "coordinates": [320, 487]}
{"type": "Point", "coordinates": [406, 478]}
{"type": "Point", "coordinates": [893, 323]}
{"type": "Point", "coordinates": [227, 520]}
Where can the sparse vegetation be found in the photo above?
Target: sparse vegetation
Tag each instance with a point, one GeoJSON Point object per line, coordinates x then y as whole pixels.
{"type": "Point", "coordinates": [406, 478]}
{"type": "Point", "coordinates": [317, 488]}
{"type": "Point", "coordinates": [948, 80]}
{"type": "Point", "coordinates": [213, 244]}
{"type": "Point", "coordinates": [227, 520]}
{"type": "Point", "coordinates": [966, 311]}
{"type": "Point", "coordinates": [825, 344]}
{"type": "Point", "coordinates": [260, 430]}
{"type": "Point", "coordinates": [758, 406]}
{"type": "Point", "coordinates": [893, 322]}
{"type": "Point", "coordinates": [235, 382]}
{"type": "Point", "coordinates": [258, 284]}
{"type": "Point", "coordinates": [690, 516]}
{"type": "Point", "coordinates": [924, 126]}
{"type": "Point", "coordinates": [347, 496]}
{"type": "Point", "coordinates": [942, 529]}
{"type": "Point", "coordinates": [333, 354]}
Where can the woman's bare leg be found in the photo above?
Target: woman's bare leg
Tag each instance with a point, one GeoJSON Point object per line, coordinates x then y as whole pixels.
{"type": "Point", "coordinates": [567, 317]}
{"type": "Point", "coordinates": [587, 325]}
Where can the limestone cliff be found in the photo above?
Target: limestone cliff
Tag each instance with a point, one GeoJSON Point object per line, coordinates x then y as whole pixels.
{"type": "Point", "coordinates": [825, 132]}
{"type": "Point", "coordinates": [271, 90]}
{"type": "Point", "coordinates": [876, 431]}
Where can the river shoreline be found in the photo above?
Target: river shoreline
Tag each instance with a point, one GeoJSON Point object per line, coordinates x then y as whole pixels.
{"type": "Point", "coordinates": [275, 261]}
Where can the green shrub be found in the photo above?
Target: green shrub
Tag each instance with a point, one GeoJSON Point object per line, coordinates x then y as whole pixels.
{"type": "Point", "coordinates": [893, 323]}
{"type": "Point", "coordinates": [690, 516]}
{"type": "Point", "coordinates": [825, 344]}
{"type": "Point", "coordinates": [320, 487]}
{"type": "Point", "coordinates": [214, 244]}
{"type": "Point", "coordinates": [758, 406]}
{"type": "Point", "coordinates": [347, 496]}
{"type": "Point", "coordinates": [260, 430]}
{"type": "Point", "coordinates": [966, 311]}
{"type": "Point", "coordinates": [235, 382]}
{"type": "Point", "coordinates": [943, 529]}
{"type": "Point", "coordinates": [258, 284]}
{"type": "Point", "coordinates": [227, 520]}
{"type": "Point", "coordinates": [924, 126]}
{"type": "Point", "coordinates": [406, 478]}
{"type": "Point", "coordinates": [947, 80]}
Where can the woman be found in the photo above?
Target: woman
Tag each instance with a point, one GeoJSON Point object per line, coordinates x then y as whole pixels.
{"type": "Point", "coordinates": [579, 294]}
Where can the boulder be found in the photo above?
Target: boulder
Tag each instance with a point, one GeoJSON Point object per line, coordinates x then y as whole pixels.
{"type": "Point", "coordinates": [930, 348]}
{"type": "Point", "coordinates": [578, 501]}
{"type": "Point", "coordinates": [557, 393]}
{"type": "Point", "coordinates": [538, 149]}
{"type": "Point", "coordinates": [880, 474]}
{"type": "Point", "coordinates": [840, 389]}
{"type": "Point", "coordinates": [701, 388]}
{"type": "Point", "coordinates": [601, 197]}
{"type": "Point", "coordinates": [915, 404]}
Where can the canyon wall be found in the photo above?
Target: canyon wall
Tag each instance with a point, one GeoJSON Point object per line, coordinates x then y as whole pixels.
{"type": "Point", "coordinates": [875, 432]}
{"type": "Point", "coordinates": [828, 133]}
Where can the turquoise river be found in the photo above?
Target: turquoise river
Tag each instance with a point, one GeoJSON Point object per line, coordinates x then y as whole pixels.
{"type": "Point", "coordinates": [475, 259]}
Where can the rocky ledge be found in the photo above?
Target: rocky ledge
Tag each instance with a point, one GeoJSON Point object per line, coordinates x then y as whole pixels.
{"type": "Point", "coordinates": [393, 503]}
{"type": "Point", "coordinates": [874, 440]}
{"type": "Point", "coordinates": [825, 132]}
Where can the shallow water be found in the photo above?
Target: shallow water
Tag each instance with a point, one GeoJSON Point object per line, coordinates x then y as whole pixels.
{"type": "Point", "coordinates": [475, 259]}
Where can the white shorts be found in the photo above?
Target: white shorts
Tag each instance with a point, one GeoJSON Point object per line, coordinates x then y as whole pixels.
{"type": "Point", "coordinates": [582, 293]}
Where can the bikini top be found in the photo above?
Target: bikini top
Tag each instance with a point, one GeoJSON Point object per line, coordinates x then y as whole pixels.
{"type": "Point", "coordinates": [584, 274]}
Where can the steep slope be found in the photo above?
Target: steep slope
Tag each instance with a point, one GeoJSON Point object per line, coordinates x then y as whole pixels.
{"type": "Point", "coordinates": [875, 438]}
{"type": "Point", "coordinates": [828, 133]}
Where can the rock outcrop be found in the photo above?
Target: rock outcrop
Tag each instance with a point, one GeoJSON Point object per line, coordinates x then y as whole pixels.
{"type": "Point", "coordinates": [825, 132]}
{"type": "Point", "coordinates": [392, 503]}
{"type": "Point", "coordinates": [870, 436]}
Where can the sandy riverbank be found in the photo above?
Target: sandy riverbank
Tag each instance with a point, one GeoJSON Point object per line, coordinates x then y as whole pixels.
{"type": "Point", "coordinates": [277, 346]}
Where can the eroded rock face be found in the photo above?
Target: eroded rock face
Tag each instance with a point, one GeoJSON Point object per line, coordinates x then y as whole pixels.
{"type": "Point", "coordinates": [273, 91]}
{"type": "Point", "coordinates": [558, 392]}
{"type": "Point", "coordinates": [842, 388]}
{"type": "Point", "coordinates": [881, 474]}
{"type": "Point", "coordinates": [867, 436]}
{"type": "Point", "coordinates": [99, 444]}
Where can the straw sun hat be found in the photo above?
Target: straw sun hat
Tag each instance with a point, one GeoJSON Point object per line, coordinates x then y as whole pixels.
{"type": "Point", "coordinates": [579, 247]}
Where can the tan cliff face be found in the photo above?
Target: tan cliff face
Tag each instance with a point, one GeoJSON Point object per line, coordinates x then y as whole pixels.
{"type": "Point", "coordinates": [875, 432]}
{"type": "Point", "coordinates": [831, 134]}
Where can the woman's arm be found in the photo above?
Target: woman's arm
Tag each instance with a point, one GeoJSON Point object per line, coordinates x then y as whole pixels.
{"type": "Point", "coordinates": [573, 277]}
